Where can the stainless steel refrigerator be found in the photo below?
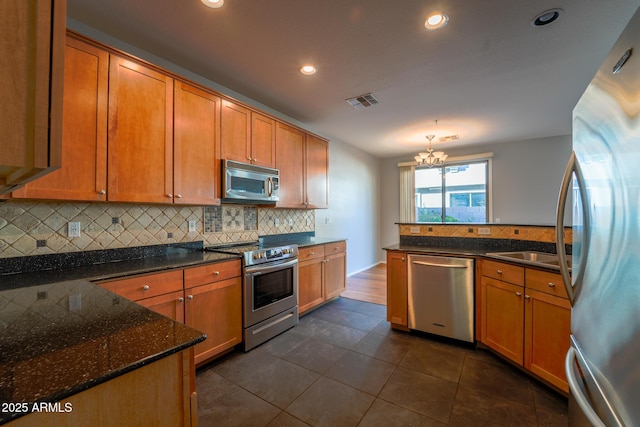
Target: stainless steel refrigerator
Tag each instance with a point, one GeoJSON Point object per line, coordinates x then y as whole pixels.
{"type": "Point", "coordinates": [603, 177]}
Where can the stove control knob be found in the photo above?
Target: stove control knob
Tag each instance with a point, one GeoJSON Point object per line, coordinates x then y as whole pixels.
{"type": "Point", "coordinates": [256, 255]}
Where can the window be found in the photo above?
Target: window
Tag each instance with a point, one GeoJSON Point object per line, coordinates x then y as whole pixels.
{"type": "Point", "coordinates": [458, 195]}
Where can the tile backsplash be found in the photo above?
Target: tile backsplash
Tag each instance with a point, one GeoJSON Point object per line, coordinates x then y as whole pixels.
{"type": "Point", "coordinates": [39, 227]}
{"type": "Point", "coordinates": [488, 231]}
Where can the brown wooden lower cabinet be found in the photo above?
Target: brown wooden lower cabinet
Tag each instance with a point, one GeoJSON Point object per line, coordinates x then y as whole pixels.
{"type": "Point", "coordinates": [207, 298]}
{"type": "Point", "coordinates": [397, 291]}
{"type": "Point", "coordinates": [216, 310]}
{"type": "Point", "coordinates": [322, 274]}
{"type": "Point", "coordinates": [170, 305]}
{"type": "Point", "coordinates": [529, 321]}
{"type": "Point", "coordinates": [158, 394]}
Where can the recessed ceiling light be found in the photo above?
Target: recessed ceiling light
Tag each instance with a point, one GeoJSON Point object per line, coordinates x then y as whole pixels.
{"type": "Point", "coordinates": [436, 20]}
{"type": "Point", "coordinates": [308, 70]}
{"type": "Point", "coordinates": [546, 17]}
{"type": "Point", "coordinates": [214, 4]}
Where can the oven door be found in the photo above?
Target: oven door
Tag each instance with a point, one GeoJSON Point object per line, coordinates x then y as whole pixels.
{"type": "Point", "coordinates": [269, 289]}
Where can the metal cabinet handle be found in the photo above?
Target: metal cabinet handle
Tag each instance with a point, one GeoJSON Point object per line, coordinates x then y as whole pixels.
{"type": "Point", "coordinates": [312, 253]}
{"type": "Point", "coordinates": [146, 287]}
{"type": "Point", "coordinates": [102, 192]}
{"type": "Point", "coordinates": [518, 294]}
{"type": "Point", "coordinates": [189, 296]}
{"type": "Point", "coordinates": [499, 272]}
{"type": "Point", "coordinates": [179, 196]}
{"type": "Point", "coordinates": [170, 195]}
{"type": "Point", "coordinates": [180, 299]}
{"type": "Point", "coordinates": [216, 273]}
{"type": "Point", "coordinates": [551, 285]}
{"type": "Point", "coordinates": [527, 297]}
{"type": "Point", "coordinates": [402, 259]}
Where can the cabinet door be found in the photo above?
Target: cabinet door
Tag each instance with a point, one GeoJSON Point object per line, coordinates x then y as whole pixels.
{"type": "Point", "coordinates": [335, 275]}
{"type": "Point", "coordinates": [31, 84]}
{"type": "Point", "coordinates": [140, 138]}
{"type": "Point", "coordinates": [235, 132]}
{"type": "Point", "coordinates": [216, 310]}
{"type": "Point", "coordinates": [170, 305]}
{"type": "Point", "coordinates": [397, 304]}
{"type": "Point", "coordinates": [263, 140]}
{"type": "Point", "coordinates": [83, 175]}
{"type": "Point", "coordinates": [196, 173]}
{"type": "Point", "coordinates": [316, 172]}
{"type": "Point", "coordinates": [310, 291]}
{"type": "Point", "coordinates": [290, 162]}
{"type": "Point", "coordinates": [547, 330]}
{"type": "Point", "coordinates": [503, 318]}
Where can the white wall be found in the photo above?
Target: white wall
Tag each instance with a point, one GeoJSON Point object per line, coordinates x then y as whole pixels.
{"type": "Point", "coordinates": [354, 204]}
{"type": "Point", "coordinates": [526, 182]}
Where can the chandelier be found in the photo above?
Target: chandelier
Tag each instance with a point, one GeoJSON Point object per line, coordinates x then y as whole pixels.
{"type": "Point", "coordinates": [431, 158]}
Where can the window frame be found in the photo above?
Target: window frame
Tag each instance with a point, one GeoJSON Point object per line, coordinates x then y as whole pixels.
{"type": "Point", "coordinates": [453, 161]}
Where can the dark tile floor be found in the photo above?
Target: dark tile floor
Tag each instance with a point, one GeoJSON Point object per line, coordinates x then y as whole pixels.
{"type": "Point", "coordinates": [343, 366]}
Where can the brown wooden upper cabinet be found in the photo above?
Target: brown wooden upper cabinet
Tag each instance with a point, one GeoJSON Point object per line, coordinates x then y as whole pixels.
{"type": "Point", "coordinates": [303, 163]}
{"type": "Point", "coordinates": [316, 172]}
{"type": "Point", "coordinates": [83, 175]}
{"type": "Point", "coordinates": [140, 134]}
{"type": "Point", "coordinates": [196, 134]}
{"type": "Point", "coordinates": [246, 136]}
{"type": "Point", "coordinates": [31, 74]}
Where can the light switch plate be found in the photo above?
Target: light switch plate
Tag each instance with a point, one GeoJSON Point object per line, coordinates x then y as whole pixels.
{"type": "Point", "coordinates": [192, 225]}
{"type": "Point", "coordinates": [484, 230]}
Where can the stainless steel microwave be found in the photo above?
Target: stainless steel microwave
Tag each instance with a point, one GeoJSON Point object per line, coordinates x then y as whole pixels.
{"type": "Point", "coordinates": [246, 183]}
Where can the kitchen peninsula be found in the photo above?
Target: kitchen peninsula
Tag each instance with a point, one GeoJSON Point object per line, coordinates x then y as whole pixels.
{"type": "Point", "coordinates": [76, 351]}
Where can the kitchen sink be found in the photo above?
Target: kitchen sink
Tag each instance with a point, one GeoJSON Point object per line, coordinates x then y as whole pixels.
{"type": "Point", "coordinates": [543, 259]}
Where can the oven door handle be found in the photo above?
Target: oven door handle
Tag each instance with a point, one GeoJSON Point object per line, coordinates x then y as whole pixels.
{"type": "Point", "coordinates": [258, 270]}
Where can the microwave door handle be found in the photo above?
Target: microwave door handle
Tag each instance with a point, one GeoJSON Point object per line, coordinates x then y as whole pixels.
{"type": "Point", "coordinates": [268, 186]}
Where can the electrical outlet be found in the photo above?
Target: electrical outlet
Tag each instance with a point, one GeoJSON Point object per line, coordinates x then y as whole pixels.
{"type": "Point", "coordinates": [192, 225]}
{"type": "Point", "coordinates": [308, 221]}
{"type": "Point", "coordinates": [414, 230]}
{"type": "Point", "coordinates": [290, 222]}
{"type": "Point", "coordinates": [484, 230]}
{"type": "Point", "coordinates": [73, 229]}
{"type": "Point", "coordinates": [276, 222]}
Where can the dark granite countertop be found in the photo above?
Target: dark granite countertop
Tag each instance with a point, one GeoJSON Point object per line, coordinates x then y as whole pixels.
{"type": "Point", "coordinates": [113, 269]}
{"type": "Point", "coordinates": [61, 338]}
{"type": "Point", "coordinates": [435, 250]}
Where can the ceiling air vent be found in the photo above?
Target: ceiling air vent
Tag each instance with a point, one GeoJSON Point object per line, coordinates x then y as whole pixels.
{"type": "Point", "coordinates": [362, 101]}
{"type": "Point", "coordinates": [449, 138]}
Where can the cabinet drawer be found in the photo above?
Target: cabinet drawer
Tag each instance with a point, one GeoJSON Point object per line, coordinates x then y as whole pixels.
{"type": "Point", "coordinates": [211, 273]}
{"type": "Point", "coordinates": [545, 281]}
{"type": "Point", "coordinates": [335, 248]}
{"type": "Point", "coordinates": [311, 252]}
{"type": "Point", "coordinates": [146, 286]}
{"type": "Point", "coordinates": [505, 272]}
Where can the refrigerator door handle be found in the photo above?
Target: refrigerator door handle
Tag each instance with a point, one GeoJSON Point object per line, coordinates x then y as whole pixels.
{"type": "Point", "coordinates": [576, 390]}
{"type": "Point", "coordinates": [572, 167]}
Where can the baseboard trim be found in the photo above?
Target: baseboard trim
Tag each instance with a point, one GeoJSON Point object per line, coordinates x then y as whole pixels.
{"type": "Point", "coordinates": [366, 268]}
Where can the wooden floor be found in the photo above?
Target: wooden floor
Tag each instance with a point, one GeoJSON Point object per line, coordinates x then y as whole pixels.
{"type": "Point", "coordinates": [369, 285]}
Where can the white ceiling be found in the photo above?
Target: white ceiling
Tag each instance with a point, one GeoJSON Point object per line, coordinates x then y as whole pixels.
{"type": "Point", "coordinates": [488, 76]}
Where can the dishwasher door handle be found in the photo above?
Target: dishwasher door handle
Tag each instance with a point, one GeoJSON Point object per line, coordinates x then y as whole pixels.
{"type": "Point", "coordinates": [429, 264]}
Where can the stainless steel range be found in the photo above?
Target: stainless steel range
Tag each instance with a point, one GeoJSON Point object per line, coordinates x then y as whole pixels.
{"type": "Point", "coordinates": [270, 290]}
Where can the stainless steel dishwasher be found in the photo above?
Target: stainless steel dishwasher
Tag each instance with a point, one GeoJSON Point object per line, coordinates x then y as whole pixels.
{"type": "Point", "coordinates": [441, 296]}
